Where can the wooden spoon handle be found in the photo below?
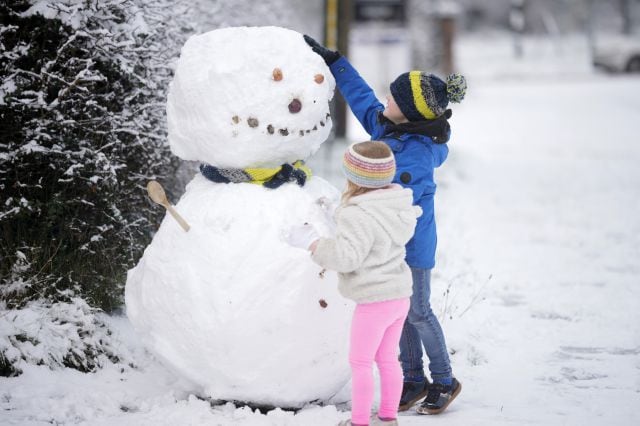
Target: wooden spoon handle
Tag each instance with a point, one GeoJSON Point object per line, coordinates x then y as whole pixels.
{"type": "Point", "coordinates": [183, 223]}
{"type": "Point", "coordinates": [157, 194]}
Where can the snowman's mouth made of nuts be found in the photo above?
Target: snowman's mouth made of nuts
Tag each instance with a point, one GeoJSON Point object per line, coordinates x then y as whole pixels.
{"type": "Point", "coordinates": [272, 129]}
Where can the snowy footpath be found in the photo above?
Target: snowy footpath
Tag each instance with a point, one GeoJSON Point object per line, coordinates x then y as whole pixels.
{"type": "Point", "coordinates": [538, 279]}
{"type": "Point", "coordinates": [537, 282]}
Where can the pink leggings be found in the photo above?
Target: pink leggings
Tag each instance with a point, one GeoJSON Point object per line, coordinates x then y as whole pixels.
{"type": "Point", "coordinates": [375, 334]}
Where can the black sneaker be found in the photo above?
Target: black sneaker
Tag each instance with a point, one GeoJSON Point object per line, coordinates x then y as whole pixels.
{"type": "Point", "coordinates": [439, 397]}
{"type": "Point", "coordinates": [412, 392]}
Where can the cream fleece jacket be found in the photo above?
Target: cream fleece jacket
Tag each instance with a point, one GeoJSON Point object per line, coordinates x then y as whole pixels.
{"type": "Point", "coordinates": [368, 251]}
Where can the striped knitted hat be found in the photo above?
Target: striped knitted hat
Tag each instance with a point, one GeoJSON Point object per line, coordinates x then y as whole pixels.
{"type": "Point", "coordinates": [425, 96]}
{"type": "Point", "coordinates": [365, 171]}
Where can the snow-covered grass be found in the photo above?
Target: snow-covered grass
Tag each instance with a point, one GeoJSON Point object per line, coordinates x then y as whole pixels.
{"type": "Point", "coordinates": [538, 268]}
{"type": "Point", "coordinates": [61, 334]}
{"type": "Point", "coordinates": [542, 194]}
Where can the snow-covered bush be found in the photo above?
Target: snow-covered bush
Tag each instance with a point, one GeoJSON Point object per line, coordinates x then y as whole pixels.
{"type": "Point", "coordinates": [82, 91]}
{"type": "Point", "coordinates": [82, 129]}
{"type": "Point", "coordinates": [55, 334]}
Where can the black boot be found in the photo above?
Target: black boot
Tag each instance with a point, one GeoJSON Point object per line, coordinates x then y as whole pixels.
{"type": "Point", "coordinates": [412, 392]}
{"type": "Point", "coordinates": [439, 397]}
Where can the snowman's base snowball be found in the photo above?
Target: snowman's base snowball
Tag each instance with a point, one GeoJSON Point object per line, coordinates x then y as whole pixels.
{"type": "Point", "coordinates": [234, 308]}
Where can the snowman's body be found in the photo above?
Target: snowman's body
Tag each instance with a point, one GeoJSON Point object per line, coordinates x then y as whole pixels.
{"type": "Point", "coordinates": [230, 304]}
{"type": "Point", "coordinates": [236, 309]}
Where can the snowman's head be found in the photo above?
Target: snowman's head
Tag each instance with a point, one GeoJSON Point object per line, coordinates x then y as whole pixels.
{"type": "Point", "coordinates": [249, 97]}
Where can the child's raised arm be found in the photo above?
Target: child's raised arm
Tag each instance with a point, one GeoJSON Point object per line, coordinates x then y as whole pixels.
{"type": "Point", "coordinates": [360, 97]}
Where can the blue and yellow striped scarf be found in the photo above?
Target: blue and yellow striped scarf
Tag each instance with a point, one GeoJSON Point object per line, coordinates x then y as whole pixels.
{"type": "Point", "coordinates": [268, 177]}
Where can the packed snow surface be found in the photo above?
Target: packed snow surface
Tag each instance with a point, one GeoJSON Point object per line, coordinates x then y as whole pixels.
{"type": "Point", "coordinates": [234, 308]}
{"type": "Point", "coordinates": [226, 302]}
{"type": "Point", "coordinates": [536, 285]}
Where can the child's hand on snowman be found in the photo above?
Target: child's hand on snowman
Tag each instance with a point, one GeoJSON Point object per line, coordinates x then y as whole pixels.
{"type": "Point", "coordinates": [329, 56]}
{"type": "Point", "coordinates": [302, 236]}
{"type": "Point", "coordinates": [325, 203]}
{"type": "Point", "coordinates": [328, 210]}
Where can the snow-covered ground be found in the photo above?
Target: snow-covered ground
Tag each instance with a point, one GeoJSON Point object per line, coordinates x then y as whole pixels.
{"type": "Point", "coordinates": [542, 195]}
{"type": "Point", "coordinates": [537, 281]}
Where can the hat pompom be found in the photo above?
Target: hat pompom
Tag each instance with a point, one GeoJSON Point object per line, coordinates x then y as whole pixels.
{"type": "Point", "coordinates": [456, 87]}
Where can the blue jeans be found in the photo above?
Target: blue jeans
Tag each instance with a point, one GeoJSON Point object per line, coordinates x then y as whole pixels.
{"type": "Point", "coordinates": [422, 328]}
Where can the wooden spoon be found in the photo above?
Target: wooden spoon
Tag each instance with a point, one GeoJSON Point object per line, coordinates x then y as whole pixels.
{"type": "Point", "coordinates": [157, 194]}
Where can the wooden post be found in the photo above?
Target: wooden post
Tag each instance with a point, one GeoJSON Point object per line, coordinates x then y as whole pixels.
{"type": "Point", "coordinates": [331, 24]}
{"type": "Point", "coordinates": [625, 13]}
{"type": "Point", "coordinates": [448, 29]}
{"type": "Point", "coordinates": [336, 37]}
{"type": "Point", "coordinates": [517, 24]}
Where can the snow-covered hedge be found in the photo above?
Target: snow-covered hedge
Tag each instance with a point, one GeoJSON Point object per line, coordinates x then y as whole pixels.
{"type": "Point", "coordinates": [82, 129]}
{"type": "Point", "coordinates": [55, 334]}
{"type": "Point", "coordinates": [82, 91]}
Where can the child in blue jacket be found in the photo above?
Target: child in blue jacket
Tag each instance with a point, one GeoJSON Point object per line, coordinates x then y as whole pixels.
{"type": "Point", "coordinates": [414, 125]}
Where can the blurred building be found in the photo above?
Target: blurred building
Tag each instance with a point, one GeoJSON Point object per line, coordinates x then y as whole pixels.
{"type": "Point", "coordinates": [553, 16]}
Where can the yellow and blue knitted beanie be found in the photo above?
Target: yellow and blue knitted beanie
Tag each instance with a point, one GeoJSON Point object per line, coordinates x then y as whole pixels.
{"type": "Point", "coordinates": [423, 96]}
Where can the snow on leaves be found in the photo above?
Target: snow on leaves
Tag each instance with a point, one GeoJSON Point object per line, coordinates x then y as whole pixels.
{"type": "Point", "coordinates": [82, 92]}
{"type": "Point", "coordinates": [56, 335]}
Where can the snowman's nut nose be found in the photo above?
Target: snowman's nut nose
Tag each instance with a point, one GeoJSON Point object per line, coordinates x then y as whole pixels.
{"type": "Point", "coordinates": [295, 106]}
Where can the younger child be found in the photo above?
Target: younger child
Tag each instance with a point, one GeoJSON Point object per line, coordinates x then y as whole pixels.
{"type": "Point", "coordinates": [414, 124]}
{"type": "Point", "coordinates": [374, 222]}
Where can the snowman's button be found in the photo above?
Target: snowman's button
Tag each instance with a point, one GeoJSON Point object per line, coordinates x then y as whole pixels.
{"type": "Point", "coordinates": [270, 129]}
{"type": "Point", "coordinates": [252, 122]}
{"type": "Point", "coordinates": [319, 78]}
{"type": "Point", "coordinates": [295, 106]}
{"type": "Point", "coordinates": [277, 74]}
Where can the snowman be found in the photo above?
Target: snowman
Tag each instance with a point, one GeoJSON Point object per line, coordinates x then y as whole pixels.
{"type": "Point", "coordinates": [229, 304]}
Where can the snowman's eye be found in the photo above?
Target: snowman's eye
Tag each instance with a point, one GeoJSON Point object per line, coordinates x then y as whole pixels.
{"type": "Point", "coordinates": [319, 78]}
{"type": "Point", "coordinates": [277, 74]}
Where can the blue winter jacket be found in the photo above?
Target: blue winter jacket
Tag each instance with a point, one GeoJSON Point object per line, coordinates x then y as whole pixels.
{"type": "Point", "coordinates": [416, 157]}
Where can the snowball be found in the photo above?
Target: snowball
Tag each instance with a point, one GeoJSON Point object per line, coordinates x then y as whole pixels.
{"type": "Point", "coordinates": [233, 307]}
{"type": "Point", "coordinates": [247, 97]}
{"type": "Point", "coordinates": [229, 304]}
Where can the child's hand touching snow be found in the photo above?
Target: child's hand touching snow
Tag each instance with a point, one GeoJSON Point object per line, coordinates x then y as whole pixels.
{"type": "Point", "coordinates": [302, 236]}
